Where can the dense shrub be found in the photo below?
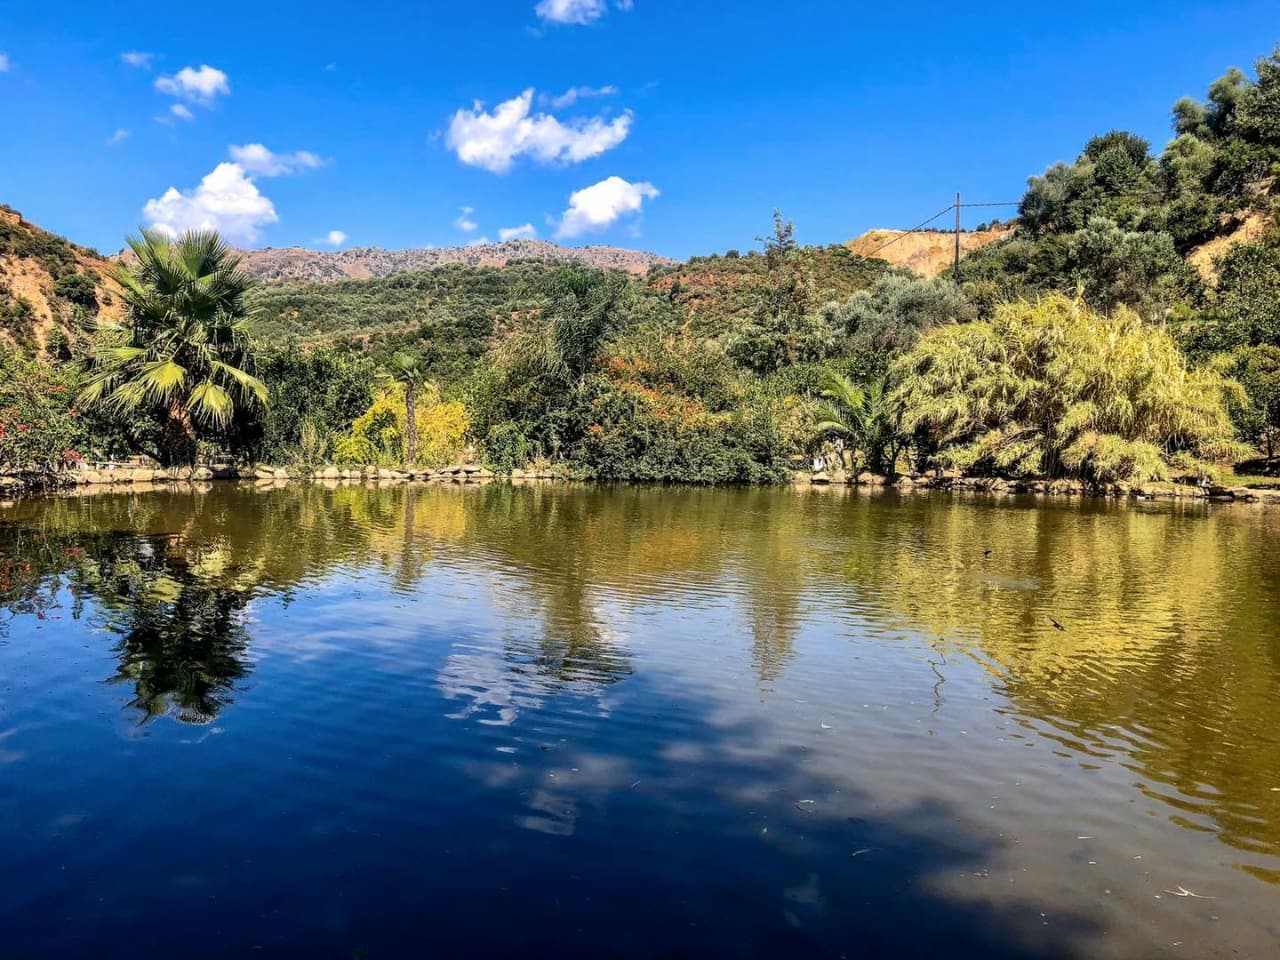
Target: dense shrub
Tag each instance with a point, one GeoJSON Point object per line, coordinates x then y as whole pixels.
{"type": "Point", "coordinates": [40, 427]}
{"type": "Point", "coordinates": [673, 411]}
{"type": "Point", "coordinates": [1054, 388]}
{"type": "Point", "coordinates": [377, 436]}
{"type": "Point", "coordinates": [323, 387]}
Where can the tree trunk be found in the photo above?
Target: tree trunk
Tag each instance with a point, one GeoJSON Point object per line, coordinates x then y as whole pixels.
{"type": "Point", "coordinates": [411, 423]}
{"type": "Point", "coordinates": [179, 436]}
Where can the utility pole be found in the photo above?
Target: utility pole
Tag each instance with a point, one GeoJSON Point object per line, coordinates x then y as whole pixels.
{"type": "Point", "coordinates": [956, 268]}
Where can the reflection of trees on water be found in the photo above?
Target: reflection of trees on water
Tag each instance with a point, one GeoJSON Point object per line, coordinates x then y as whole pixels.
{"type": "Point", "coordinates": [170, 577]}
{"type": "Point", "coordinates": [1170, 658]}
{"type": "Point", "coordinates": [1169, 613]}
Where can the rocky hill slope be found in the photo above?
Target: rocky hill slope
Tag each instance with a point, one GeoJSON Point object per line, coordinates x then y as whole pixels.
{"type": "Point", "coordinates": [362, 263]}
{"type": "Point", "coordinates": [928, 253]}
{"type": "Point", "coordinates": [46, 282]}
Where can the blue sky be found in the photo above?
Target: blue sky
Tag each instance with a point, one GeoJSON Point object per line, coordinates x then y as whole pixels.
{"type": "Point", "coordinates": [693, 120]}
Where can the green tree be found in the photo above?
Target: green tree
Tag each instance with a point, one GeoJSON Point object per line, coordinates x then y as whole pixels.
{"type": "Point", "coordinates": [322, 386]}
{"type": "Point", "coordinates": [585, 306]}
{"type": "Point", "coordinates": [779, 328]}
{"type": "Point", "coordinates": [869, 417]}
{"type": "Point", "coordinates": [779, 245]}
{"type": "Point", "coordinates": [1187, 165]}
{"type": "Point", "coordinates": [1258, 371]}
{"type": "Point", "coordinates": [1141, 270]}
{"type": "Point", "coordinates": [1258, 109]}
{"type": "Point", "coordinates": [409, 374]}
{"type": "Point", "coordinates": [77, 288]}
{"type": "Point", "coordinates": [1213, 118]}
{"type": "Point", "coordinates": [183, 352]}
{"type": "Point", "coordinates": [1249, 293]}
{"type": "Point", "coordinates": [887, 319]}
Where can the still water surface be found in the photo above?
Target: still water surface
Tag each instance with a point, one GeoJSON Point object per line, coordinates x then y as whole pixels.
{"type": "Point", "coordinates": [600, 722]}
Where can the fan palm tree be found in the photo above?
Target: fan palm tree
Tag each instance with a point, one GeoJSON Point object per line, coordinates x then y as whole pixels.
{"type": "Point", "coordinates": [410, 374]}
{"type": "Point", "coordinates": [182, 351]}
{"type": "Point", "coordinates": [866, 416]}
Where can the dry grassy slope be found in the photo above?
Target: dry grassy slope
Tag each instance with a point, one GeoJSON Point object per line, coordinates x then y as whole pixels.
{"type": "Point", "coordinates": [1203, 257]}
{"type": "Point", "coordinates": [928, 254]}
{"type": "Point", "coordinates": [29, 277]}
{"type": "Point", "coordinates": [361, 263]}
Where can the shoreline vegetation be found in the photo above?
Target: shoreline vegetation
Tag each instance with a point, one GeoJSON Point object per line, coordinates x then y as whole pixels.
{"type": "Point", "coordinates": [1121, 337]}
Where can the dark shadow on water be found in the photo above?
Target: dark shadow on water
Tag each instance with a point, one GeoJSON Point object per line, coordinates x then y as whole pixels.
{"type": "Point", "coordinates": [742, 849]}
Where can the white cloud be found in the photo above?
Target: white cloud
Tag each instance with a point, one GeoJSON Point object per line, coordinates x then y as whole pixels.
{"type": "Point", "coordinates": [479, 242]}
{"type": "Point", "coordinates": [227, 200]}
{"type": "Point", "coordinates": [571, 11]}
{"type": "Point", "coordinates": [181, 112]}
{"type": "Point", "coordinates": [335, 238]}
{"type": "Point", "coordinates": [524, 232]}
{"type": "Point", "coordinates": [119, 136]}
{"type": "Point", "coordinates": [494, 140]}
{"type": "Point", "coordinates": [5, 63]}
{"type": "Point", "coordinates": [201, 84]}
{"type": "Point", "coordinates": [574, 94]}
{"type": "Point", "coordinates": [261, 162]}
{"type": "Point", "coordinates": [597, 207]}
{"type": "Point", "coordinates": [577, 12]}
{"type": "Point", "coordinates": [138, 58]}
{"type": "Point", "coordinates": [464, 221]}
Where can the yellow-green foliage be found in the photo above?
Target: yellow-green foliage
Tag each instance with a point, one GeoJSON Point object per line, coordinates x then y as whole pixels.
{"type": "Point", "coordinates": [1053, 388]}
{"type": "Point", "coordinates": [377, 435]}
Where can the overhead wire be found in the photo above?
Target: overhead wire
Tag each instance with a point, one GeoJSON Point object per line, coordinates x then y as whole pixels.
{"type": "Point", "coordinates": [1148, 192]}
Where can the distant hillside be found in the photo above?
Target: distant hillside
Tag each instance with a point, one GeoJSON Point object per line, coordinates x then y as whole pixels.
{"type": "Point", "coordinates": [45, 281]}
{"type": "Point", "coordinates": [717, 291]}
{"type": "Point", "coordinates": [362, 263]}
{"type": "Point", "coordinates": [456, 307]}
{"type": "Point", "coordinates": [927, 254]}
{"type": "Point", "coordinates": [459, 309]}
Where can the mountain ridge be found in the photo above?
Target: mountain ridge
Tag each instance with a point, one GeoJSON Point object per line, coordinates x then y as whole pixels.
{"type": "Point", "coordinates": [290, 264]}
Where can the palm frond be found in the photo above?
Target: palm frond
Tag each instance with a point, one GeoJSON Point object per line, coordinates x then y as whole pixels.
{"type": "Point", "coordinates": [210, 402]}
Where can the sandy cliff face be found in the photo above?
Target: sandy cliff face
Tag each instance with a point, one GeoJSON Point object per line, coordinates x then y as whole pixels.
{"type": "Point", "coordinates": [928, 254]}
{"type": "Point", "coordinates": [1246, 230]}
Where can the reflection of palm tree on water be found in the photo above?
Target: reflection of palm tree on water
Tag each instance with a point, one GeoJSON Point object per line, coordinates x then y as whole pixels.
{"type": "Point", "coordinates": [183, 641]}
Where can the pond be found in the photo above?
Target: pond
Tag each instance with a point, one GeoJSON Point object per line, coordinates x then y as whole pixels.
{"type": "Point", "coordinates": [408, 721]}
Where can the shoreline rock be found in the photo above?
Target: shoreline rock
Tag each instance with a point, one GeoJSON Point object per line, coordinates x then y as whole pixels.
{"type": "Point", "coordinates": [951, 482]}
{"type": "Point", "coordinates": [138, 477]}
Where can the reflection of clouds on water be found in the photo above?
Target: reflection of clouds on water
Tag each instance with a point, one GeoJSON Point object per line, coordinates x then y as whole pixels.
{"type": "Point", "coordinates": [553, 814]}
{"type": "Point", "coordinates": [805, 901]}
{"type": "Point", "coordinates": [590, 778]}
{"type": "Point", "coordinates": [490, 687]}
{"type": "Point", "coordinates": [497, 683]}
{"type": "Point", "coordinates": [6, 755]}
